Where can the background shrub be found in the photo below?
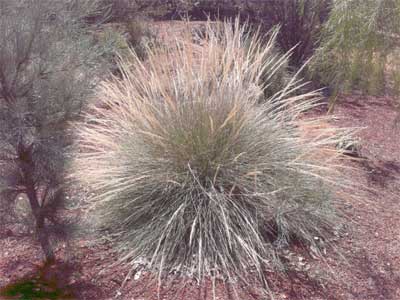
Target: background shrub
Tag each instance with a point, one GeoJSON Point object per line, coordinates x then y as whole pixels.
{"type": "Point", "coordinates": [125, 10]}
{"type": "Point", "coordinates": [118, 40]}
{"type": "Point", "coordinates": [300, 24]}
{"type": "Point", "coordinates": [300, 21]}
{"type": "Point", "coordinates": [46, 67]}
{"type": "Point", "coordinates": [140, 37]}
{"type": "Point", "coordinates": [112, 43]}
{"type": "Point", "coordinates": [356, 43]}
{"type": "Point", "coordinates": [191, 173]}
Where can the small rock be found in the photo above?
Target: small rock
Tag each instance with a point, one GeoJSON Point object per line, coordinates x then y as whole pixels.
{"type": "Point", "coordinates": [137, 275]}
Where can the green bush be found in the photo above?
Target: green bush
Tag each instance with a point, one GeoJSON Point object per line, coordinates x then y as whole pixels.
{"type": "Point", "coordinates": [300, 24]}
{"type": "Point", "coordinates": [191, 172]}
{"type": "Point", "coordinates": [126, 10]}
{"type": "Point", "coordinates": [356, 42]}
{"type": "Point", "coordinates": [140, 37]}
{"type": "Point", "coordinates": [112, 43]}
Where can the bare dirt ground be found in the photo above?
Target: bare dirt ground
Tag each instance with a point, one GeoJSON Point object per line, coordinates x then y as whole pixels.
{"type": "Point", "coordinates": [370, 245]}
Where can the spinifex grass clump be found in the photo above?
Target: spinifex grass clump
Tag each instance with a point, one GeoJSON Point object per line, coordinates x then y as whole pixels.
{"type": "Point", "coordinates": [191, 172]}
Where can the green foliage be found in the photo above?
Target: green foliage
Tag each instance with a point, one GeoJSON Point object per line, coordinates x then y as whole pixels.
{"type": "Point", "coordinates": [112, 44]}
{"type": "Point", "coordinates": [126, 10]}
{"type": "Point", "coordinates": [140, 37]}
{"type": "Point", "coordinates": [355, 45]}
{"type": "Point", "coordinates": [394, 71]}
{"type": "Point", "coordinates": [46, 63]}
{"type": "Point", "coordinates": [118, 10]}
{"type": "Point", "coordinates": [33, 290]}
{"type": "Point", "coordinates": [191, 172]}
{"type": "Point", "coordinates": [396, 84]}
{"type": "Point", "coordinates": [300, 24]}
{"type": "Point", "coordinates": [115, 42]}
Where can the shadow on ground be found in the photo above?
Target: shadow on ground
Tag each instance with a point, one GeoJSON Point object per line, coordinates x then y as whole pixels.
{"type": "Point", "coordinates": [51, 281]}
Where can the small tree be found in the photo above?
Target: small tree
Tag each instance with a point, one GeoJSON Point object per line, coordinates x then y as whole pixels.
{"type": "Point", "coordinates": [44, 75]}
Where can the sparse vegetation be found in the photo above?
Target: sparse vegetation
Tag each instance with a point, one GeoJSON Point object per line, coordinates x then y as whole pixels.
{"type": "Point", "coordinates": [191, 173]}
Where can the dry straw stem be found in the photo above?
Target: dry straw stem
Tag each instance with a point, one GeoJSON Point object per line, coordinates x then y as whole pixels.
{"type": "Point", "coordinates": [194, 170]}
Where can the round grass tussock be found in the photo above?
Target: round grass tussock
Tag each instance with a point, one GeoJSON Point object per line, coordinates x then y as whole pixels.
{"type": "Point", "coordinates": [193, 172]}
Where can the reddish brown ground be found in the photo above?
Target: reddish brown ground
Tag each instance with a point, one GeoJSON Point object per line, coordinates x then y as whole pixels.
{"type": "Point", "coordinates": [371, 245]}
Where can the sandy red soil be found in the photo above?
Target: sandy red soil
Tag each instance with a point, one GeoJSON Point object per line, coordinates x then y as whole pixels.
{"type": "Point", "coordinates": [370, 244]}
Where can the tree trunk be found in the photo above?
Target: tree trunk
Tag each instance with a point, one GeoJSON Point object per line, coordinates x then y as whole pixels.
{"type": "Point", "coordinates": [40, 225]}
{"type": "Point", "coordinates": [27, 168]}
